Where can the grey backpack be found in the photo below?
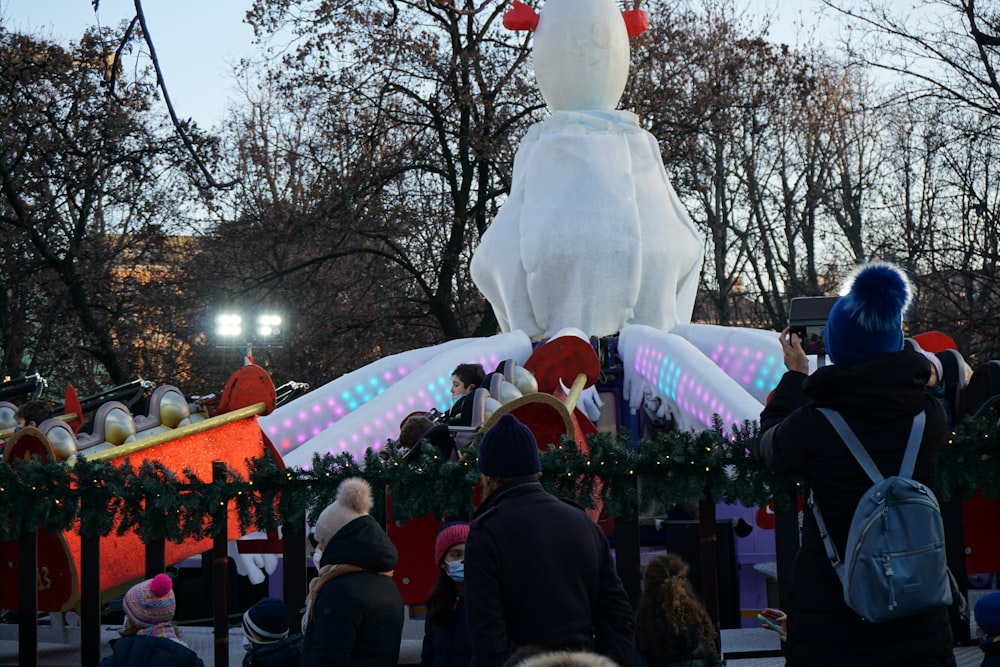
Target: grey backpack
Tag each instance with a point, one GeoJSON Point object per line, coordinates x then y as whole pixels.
{"type": "Point", "coordinates": [895, 562]}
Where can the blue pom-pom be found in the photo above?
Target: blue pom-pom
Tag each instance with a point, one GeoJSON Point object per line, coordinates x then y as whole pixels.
{"type": "Point", "coordinates": [879, 294]}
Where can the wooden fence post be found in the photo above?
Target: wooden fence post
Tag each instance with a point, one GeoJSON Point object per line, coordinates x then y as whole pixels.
{"type": "Point", "coordinates": [27, 599]}
{"type": "Point", "coordinates": [293, 571]}
{"type": "Point", "coordinates": [90, 600]}
{"type": "Point", "coordinates": [220, 576]}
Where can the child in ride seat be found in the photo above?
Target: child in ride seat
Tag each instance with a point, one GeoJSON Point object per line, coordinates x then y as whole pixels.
{"type": "Point", "coordinates": [464, 380]}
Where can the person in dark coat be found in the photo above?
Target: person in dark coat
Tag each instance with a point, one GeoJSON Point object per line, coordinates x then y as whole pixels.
{"type": "Point", "coordinates": [266, 639]}
{"type": "Point", "coordinates": [446, 630]}
{"type": "Point", "coordinates": [672, 626]}
{"type": "Point", "coordinates": [148, 636]}
{"type": "Point", "coordinates": [354, 612]}
{"type": "Point", "coordinates": [878, 387]}
{"type": "Point", "coordinates": [987, 613]}
{"type": "Point", "coordinates": [538, 571]}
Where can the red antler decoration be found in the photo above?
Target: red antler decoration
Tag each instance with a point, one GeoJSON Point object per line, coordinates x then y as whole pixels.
{"type": "Point", "coordinates": [520, 17]}
{"type": "Point", "coordinates": [636, 22]}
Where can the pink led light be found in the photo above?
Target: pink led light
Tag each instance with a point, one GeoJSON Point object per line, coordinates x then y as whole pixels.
{"type": "Point", "coordinates": [316, 408]}
{"type": "Point", "coordinates": [387, 376]}
{"type": "Point", "coordinates": [303, 416]}
{"type": "Point", "coordinates": [316, 431]}
{"type": "Point", "coordinates": [300, 438]}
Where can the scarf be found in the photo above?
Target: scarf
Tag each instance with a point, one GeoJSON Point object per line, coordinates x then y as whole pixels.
{"type": "Point", "coordinates": [322, 578]}
{"type": "Point", "coordinates": [166, 630]}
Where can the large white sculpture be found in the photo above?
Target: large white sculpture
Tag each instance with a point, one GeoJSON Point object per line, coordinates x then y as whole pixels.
{"type": "Point", "coordinates": [593, 235]}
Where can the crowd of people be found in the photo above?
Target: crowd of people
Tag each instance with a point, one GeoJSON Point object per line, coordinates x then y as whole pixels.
{"type": "Point", "coordinates": [530, 580]}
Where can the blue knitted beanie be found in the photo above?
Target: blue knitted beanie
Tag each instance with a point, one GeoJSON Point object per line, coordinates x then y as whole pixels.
{"type": "Point", "coordinates": [867, 320]}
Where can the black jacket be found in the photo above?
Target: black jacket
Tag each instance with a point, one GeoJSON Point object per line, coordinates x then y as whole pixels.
{"type": "Point", "coordinates": [538, 572]}
{"type": "Point", "coordinates": [991, 655]}
{"type": "Point", "coordinates": [283, 653]}
{"type": "Point", "coordinates": [357, 618]}
{"type": "Point", "coordinates": [878, 399]}
{"type": "Point", "coordinates": [145, 651]}
{"type": "Point", "coordinates": [447, 645]}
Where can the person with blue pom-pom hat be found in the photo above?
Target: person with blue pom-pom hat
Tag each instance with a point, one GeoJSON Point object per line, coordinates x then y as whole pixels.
{"type": "Point", "coordinates": [878, 387]}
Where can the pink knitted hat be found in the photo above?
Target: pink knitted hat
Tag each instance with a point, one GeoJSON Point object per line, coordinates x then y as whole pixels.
{"type": "Point", "coordinates": [450, 534]}
{"type": "Point", "coordinates": [151, 602]}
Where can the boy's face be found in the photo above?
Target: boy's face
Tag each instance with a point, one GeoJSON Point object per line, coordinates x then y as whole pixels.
{"type": "Point", "coordinates": [458, 388]}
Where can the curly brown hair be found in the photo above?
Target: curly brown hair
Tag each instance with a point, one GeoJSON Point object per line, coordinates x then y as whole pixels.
{"type": "Point", "coordinates": [670, 619]}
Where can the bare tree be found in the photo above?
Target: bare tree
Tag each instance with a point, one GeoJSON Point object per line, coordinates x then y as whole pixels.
{"type": "Point", "coordinates": [380, 152]}
{"type": "Point", "coordinates": [751, 133]}
{"type": "Point", "coordinates": [83, 201]}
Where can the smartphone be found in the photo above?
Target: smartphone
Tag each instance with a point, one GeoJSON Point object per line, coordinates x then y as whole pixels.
{"type": "Point", "coordinates": [807, 317]}
{"type": "Point", "coordinates": [772, 625]}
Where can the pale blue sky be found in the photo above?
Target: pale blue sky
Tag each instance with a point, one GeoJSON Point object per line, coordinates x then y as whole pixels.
{"type": "Point", "coordinates": [198, 41]}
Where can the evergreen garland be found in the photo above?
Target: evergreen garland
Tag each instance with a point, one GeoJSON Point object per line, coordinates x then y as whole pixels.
{"type": "Point", "coordinates": [98, 498]}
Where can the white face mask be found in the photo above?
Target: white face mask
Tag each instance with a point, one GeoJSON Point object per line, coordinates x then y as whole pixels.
{"type": "Point", "coordinates": [246, 644]}
{"type": "Point", "coordinates": [317, 556]}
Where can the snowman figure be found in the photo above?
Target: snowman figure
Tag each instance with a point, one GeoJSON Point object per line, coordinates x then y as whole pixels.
{"type": "Point", "coordinates": [593, 236]}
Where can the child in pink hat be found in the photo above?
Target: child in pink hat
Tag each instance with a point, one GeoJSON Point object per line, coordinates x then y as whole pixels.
{"type": "Point", "coordinates": [148, 636]}
{"type": "Point", "coordinates": [446, 631]}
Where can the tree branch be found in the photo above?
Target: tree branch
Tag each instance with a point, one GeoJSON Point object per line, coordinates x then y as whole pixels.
{"type": "Point", "coordinates": [210, 180]}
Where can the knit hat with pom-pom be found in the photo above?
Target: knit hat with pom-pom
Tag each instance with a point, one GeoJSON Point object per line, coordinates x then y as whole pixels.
{"type": "Point", "coordinates": [151, 602]}
{"type": "Point", "coordinates": [354, 500]}
{"type": "Point", "coordinates": [867, 320]}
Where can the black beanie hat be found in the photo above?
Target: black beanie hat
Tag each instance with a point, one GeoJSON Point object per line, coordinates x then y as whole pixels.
{"type": "Point", "coordinates": [509, 449]}
{"type": "Point", "coordinates": [266, 621]}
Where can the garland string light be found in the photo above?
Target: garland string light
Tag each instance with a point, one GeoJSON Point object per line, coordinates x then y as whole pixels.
{"type": "Point", "coordinates": [621, 477]}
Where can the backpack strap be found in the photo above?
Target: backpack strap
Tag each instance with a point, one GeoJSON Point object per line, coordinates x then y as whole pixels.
{"type": "Point", "coordinates": [913, 445]}
{"type": "Point", "coordinates": [861, 454]}
{"type": "Point", "coordinates": [865, 461]}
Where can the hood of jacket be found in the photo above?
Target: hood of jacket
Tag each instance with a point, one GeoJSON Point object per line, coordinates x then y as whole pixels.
{"type": "Point", "coordinates": [362, 542]}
